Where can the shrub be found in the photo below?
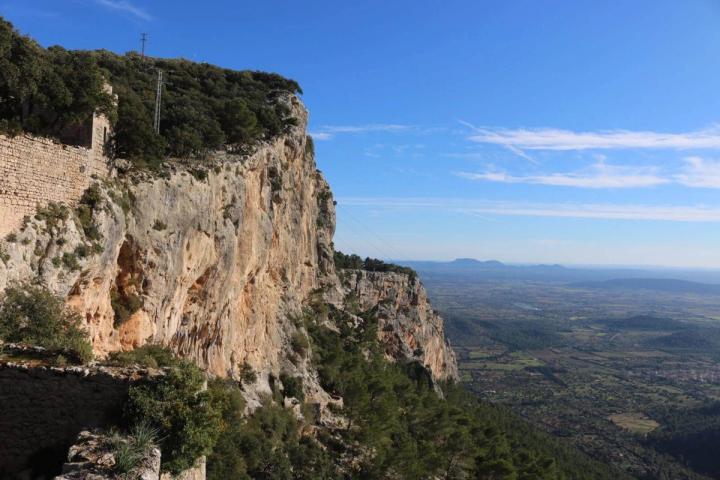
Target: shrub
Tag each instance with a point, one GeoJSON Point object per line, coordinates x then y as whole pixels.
{"type": "Point", "coordinates": [129, 452]}
{"type": "Point", "coordinates": [11, 237]}
{"type": "Point", "coordinates": [267, 445]}
{"type": "Point", "coordinates": [52, 214]}
{"type": "Point", "coordinates": [89, 203]}
{"type": "Point", "coordinates": [70, 261]}
{"type": "Point", "coordinates": [46, 90]}
{"type": "Point", "coordinates": [247, 374]}
{"type": "Point", "coordinates": [188, 418]}
{"type": "Point", "coordinates": [124, 306]}
{"type": "Point", "coordinates": [126, 456]}
{"type": "Point", "coordinates": [299, 343]}
{"type": "Point", "coordinates": [31, 314]}
{"type": "Point", "coordinates": [292, 387]}
{"type": "Point", "coordinates": [153, 356]}
{"type": "Point", "coordinates": [159, 225]}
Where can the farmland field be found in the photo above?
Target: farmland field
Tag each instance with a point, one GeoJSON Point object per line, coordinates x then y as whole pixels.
{"type": "Point", "coordinates": [611, 371]}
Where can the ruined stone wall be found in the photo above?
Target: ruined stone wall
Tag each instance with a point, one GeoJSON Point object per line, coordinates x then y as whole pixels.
{"type": "Point", "coordinates": [35, 170]}
{"type": "Point", "coordinates": [42, 410]}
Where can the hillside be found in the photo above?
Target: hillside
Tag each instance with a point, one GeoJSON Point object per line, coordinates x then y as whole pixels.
{"type": "Point", "coordinates": [218, 270]}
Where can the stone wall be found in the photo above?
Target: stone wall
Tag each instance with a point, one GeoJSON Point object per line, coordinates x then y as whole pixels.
{"type": "Point", "coordinates": [35, 170]}
{"type": "Point", "coordinates": [42, 410]}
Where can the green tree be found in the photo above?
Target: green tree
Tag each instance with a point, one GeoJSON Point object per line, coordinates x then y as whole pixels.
{"type": "Point", "coordinates": [188, 418]}
{"type": "Point", "coordinates": [32, 315]}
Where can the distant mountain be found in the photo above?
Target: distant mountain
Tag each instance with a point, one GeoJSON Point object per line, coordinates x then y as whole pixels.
{"type": "Point", "coordinates": [470, 269]}
{"type": "Point", "coordinates": [670, 285]}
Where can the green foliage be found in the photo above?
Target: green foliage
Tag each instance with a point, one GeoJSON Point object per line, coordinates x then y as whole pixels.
{"type": "Point", "coordinates": [299, 343]}
{"type": "Point", "coordinates": [394, 411]}
{"type": "Point", "coordinates": [44, 91]}
{"type": "Point", "coordinates": [32, 315]}
{"type": "Point", "coordinates": [52, 214]}
{"type": "Point", "coordinates": [691, 435]}
{"type": "Point", "coordinates": [126, 456]}
{"type": "Point", "coordinates": [124, 305]}
{"type": "Point", "coordinates": [247, 374]}
{"type": "Point", "coordinates": [292, 386]}
{"type": "Point", "coordinates": [267, 445]}
{"type": "Point", "coordinates": [70, 261]}
{"type": "Point", "coordinates": [188, 419]}
{"type": "Point", "coordinates": [204, 106]}
{"type": "Point", "coordinates": [153, 356]}
{"type": "Point", "coordinates": [355, 262]}
{"type": "Point", "coordinates": [129, 452]}
{"type": "Point", "coordinates": [90, 201]}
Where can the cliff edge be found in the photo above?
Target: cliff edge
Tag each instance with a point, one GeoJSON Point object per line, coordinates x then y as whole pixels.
{"type": "Point", "coordinates": [215, 259]}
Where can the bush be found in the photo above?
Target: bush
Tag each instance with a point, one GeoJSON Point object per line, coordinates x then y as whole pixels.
{"type": "Point", "coordinates": [267, 445]}
{"type": "Point", "coordinates": [89, 203]}
{"type": "Point", "coordinates": [299, 343]}
{"type": "Point", "coordinates": [124, 306]}
{"type": "Point", "coordinates": [204, 107]}
{"type": "Point", "coordinates": [188, 419]}
{"type": "Point", "coordinates": [46, 90]}
{"type": "Point", "coordinates": [292, 387]}
{"type": "Point", "coordinates": [153, 356]}
{"type": "Point", "coordinates": [32, 315]}
{"type": "Point", "coordinates": [130, 452]}
{"type": "Point", "coordinates": [355, 262]}
{"type": "Point", "coordinates": [247, 374]}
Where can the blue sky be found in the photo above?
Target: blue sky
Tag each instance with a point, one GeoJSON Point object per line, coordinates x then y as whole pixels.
{"type": "Point", "coordinates": [573, 131]}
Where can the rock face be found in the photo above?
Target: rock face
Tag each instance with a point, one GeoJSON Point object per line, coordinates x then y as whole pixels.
{"type": "Point", "coordinates": [409, 327]}
{"type": "Point", "coordinates": [92, 458]}
{"type": "Point", "coordinates": [215, 259]}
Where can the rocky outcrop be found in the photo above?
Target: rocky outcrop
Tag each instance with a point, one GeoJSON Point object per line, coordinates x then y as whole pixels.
{"type": "Point", "coordinates": [408, 326]}
{"type": "Point", "coordinates": [211, 260]}
{"type": "Point", "coordinates": [93, 457]}
{"type": "Point", "coordinates": [216, 260]}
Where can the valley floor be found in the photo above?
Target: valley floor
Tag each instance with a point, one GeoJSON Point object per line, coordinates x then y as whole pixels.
{"type": "Point", "coordinates": [605, 370]}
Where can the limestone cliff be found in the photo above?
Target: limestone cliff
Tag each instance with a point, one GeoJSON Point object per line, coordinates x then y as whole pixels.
{"type": "Point", "coordinates": [214, 259]}
{"type": "Point", "coordinates": [409, 327]}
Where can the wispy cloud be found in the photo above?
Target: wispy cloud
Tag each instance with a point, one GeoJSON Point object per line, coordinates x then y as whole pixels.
{"type": "Point", "coordinates": [327, 132]}
{"type": "Point", "coordinates": [700, 173]}
{"type": "Point", "coordinates": [126, 7]}
{"type": "Point", "coordinates": [557, 139]}
{"type": "Point", "coordinates": [699, 213]}
{"type": "Point", "coordinates": [598, 175]}
{"type": "Point", "coordinates": [321, 136]}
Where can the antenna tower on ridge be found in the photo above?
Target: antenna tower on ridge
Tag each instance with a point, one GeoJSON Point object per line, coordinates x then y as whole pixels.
{"type": "Point", "coordinates": [143, 41]}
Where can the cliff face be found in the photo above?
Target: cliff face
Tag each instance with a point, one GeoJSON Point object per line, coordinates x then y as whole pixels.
{"type": "Point", "coordinates": [215, 261]}
{"type": "Point", "coordinates": [409, 327]}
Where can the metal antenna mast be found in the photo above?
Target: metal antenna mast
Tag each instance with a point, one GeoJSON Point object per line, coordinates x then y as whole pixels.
{"type": "Point", "coordinates": [158, 100]}
{"type": "Point", "coordinates": [143, 40]}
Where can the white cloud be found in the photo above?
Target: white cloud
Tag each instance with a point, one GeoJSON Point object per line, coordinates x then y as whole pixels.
{"type": "Point", "coordinates": [700, 173]}
{"type": "Point", "coordinates": [125, 6]}
{"type": "Point", "coordinates": [321, 136]}
{"type": "Point", "coordinates": [328, 132]}
{"type": "Point", "coordinates": [599, 175]}
{"type": "Point", "coordinates": [699, 213]}
{"type": "Point", "coordinates": [557, 139]}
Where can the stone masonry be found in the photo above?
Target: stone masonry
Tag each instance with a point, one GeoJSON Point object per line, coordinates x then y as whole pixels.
{"type": "Point", "coordinates": [35, 171]}
{"type": "Point", "coordinates": [44, 408]}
